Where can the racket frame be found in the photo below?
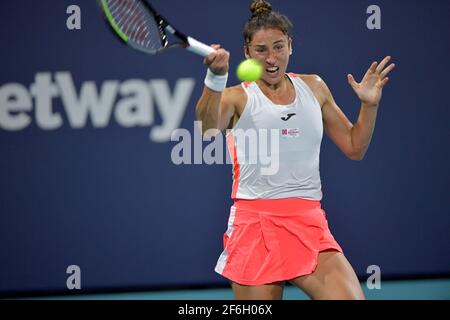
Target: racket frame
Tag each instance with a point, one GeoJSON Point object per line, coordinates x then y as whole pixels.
{"type": "Point", "coordinates": [164, 26]}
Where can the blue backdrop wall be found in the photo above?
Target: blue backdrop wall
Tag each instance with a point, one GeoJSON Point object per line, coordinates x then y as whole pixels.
{"type": "Point", "coordinates": [86, 176]}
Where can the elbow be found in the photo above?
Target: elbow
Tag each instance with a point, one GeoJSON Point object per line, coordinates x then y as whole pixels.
{"type": "Point", "coordinates": [206, 123]}
{"type": "Point", "coordinates": [208, 129]}
{"type": "Point", "coordinates": [356, 156]}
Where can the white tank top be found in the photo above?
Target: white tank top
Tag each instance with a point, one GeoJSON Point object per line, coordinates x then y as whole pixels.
{"type": "Point", "coordinates": [260, 169]}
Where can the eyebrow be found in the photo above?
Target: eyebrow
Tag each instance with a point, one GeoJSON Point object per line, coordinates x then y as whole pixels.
{"type": "Point", "coordinates": [263, 45]}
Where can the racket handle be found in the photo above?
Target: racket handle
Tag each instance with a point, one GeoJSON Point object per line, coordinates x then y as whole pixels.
{"type": "Point", "coordinates": [198, 47]}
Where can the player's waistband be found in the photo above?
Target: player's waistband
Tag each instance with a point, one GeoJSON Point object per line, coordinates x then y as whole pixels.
{"type": "Point", "coordinates": [277, 206]}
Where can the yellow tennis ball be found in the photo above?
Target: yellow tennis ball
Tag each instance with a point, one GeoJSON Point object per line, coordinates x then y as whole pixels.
{"type": "Point", "coordinates": [249, 70]}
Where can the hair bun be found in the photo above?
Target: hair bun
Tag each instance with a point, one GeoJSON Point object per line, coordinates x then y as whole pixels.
{"type": "Point", "coordinates": [259, 7]}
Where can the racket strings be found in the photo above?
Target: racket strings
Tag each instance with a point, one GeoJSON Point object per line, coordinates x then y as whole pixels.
{"type": "Point", "coordinates": [137, 24]}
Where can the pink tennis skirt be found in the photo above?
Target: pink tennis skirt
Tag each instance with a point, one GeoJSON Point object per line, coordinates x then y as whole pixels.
{"type": "Point", "coordinates": [270, 240]}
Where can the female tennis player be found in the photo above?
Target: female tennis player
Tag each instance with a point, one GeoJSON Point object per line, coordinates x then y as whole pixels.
{"type": "Point", "coordinates": [277, 230]}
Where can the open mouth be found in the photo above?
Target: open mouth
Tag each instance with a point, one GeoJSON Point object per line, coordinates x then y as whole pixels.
{"type": "Point", "coordinates": [272, 70]}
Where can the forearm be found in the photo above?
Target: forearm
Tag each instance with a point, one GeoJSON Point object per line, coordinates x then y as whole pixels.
{"type": "Point", "coordinates": [208, 108]}
{"type": "Point", "coordinates": [209, 104]}
{"type": "Point", "coordinates": [362, 130]}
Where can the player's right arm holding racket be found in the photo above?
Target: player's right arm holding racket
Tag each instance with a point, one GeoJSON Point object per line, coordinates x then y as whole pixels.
{"type": "Point", "coordinates": [218, 104]}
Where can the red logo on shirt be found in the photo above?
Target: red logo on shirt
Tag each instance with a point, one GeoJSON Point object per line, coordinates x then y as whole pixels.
{"type": "Point", "coordinates": [290, 132]}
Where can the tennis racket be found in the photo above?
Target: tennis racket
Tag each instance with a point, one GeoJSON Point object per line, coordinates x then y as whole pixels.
{"type": "Point", "coordinates": [140, 26]}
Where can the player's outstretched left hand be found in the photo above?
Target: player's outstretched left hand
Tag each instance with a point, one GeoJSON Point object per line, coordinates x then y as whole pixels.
{"type": "Point", "coordinates": [369, 90]}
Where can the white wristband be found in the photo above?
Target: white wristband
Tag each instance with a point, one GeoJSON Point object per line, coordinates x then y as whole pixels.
{"type": "Point", "coordinates": [216, 82]}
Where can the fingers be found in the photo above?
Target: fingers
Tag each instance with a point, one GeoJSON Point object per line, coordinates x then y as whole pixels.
{"type": "Point", "coordinates": [217, 61]}
{"type": "Point", "coordinates": [383, 82]}
{"type": "Point", "coordinates": [372, 68]}
{"type": "Point", "coordinates": [351, 81]}
{"type": "Point", "coordinates": [383, 64]}
{"type": "Point", "coordinates": [209, 58]}
{"type": "Point", "coordinates": [385, 72]}
{"type": "Point", "coordinates": [381, 69]}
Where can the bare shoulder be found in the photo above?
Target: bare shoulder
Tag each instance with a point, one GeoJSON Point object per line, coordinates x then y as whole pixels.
{"type": "Point", "coordinates": [317, 85]}
{"type": "Point", "coordinates": [234, 92]}
{"type": "Point", "coordinates": [315, 82]}
{"type": "Point", "coordinates": [236, 96]}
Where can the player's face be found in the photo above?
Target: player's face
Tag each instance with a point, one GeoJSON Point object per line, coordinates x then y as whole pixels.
{"type": "Point", "coordinates": [272, 48]}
